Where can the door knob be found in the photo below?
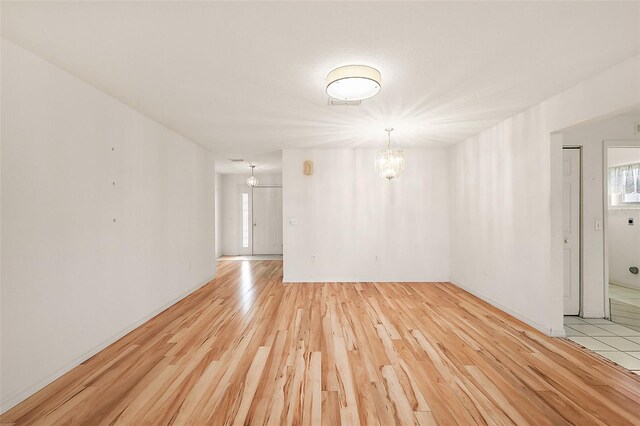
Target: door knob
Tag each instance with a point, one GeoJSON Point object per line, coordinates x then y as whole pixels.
{"type": "Point", "coordinates": [566, 240]}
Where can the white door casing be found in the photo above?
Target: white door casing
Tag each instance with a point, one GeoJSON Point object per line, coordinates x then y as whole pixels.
{"type": "Point", "coordinates": [571, 229]}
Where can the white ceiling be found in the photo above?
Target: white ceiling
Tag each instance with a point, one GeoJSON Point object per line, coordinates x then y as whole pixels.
{"type": "Point", "coordinates": [246, 79]}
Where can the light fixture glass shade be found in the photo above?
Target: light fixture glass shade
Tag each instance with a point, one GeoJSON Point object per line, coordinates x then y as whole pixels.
{"type": "Point", "coordinates": [252, 181]}
{"type": "Point", "coordinates": [353, 83]}
{"type": "Point", "coordinates": [390, 162]}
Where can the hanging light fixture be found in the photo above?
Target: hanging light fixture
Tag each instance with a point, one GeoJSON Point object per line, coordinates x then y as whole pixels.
{"type": "Point", "coordinates": [353, 83]}
{"type": "Point", "coordinates": [252, 181]}
{"type": "Point", "coordinates": [389, 161]}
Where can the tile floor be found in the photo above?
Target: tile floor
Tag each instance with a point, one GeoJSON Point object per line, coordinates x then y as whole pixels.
{"type": "Point", "coordinates": [613, 341]}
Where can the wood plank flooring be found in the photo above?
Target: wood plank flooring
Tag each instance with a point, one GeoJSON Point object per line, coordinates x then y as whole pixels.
{"type": "Point", "coordinates": [248, 349]}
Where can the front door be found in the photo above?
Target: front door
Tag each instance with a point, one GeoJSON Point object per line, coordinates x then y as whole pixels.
{"type": "Point", "coordinates": [267, 220]}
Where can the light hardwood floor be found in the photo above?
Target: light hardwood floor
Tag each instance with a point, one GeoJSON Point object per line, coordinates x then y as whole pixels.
{"type": "Point", "coordinates": [248, 349]}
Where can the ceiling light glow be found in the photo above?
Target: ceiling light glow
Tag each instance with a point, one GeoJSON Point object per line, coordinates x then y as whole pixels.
{"type": "Point", "coordinates": [353, 83]}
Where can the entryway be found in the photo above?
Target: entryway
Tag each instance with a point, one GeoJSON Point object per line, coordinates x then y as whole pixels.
{"type": "Point", "coordinates": [601, 247]}
{"type": "Point", "coordinates": [623, 232]}
{"type": "Point", "coordinates": [249, 218]}
{"type": "Point", "coordinates": [588, 223]}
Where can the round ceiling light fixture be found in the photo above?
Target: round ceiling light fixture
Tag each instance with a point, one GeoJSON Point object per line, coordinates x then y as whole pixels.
{"type": "Point", "coordinates": [353, 83]}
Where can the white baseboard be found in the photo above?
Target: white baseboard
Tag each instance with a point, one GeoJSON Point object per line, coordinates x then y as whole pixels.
{"type": "Point", "coordinates": [629, 286]}
{"type": "Point", "coordinates": [554, 332]}
{"type": "Point", "coordinates": [594, 314]}
{"type": "Point", "coordinates": [540, 327]}
{"type": "Point", "coordinates": [363, 279]}
{"type": "Point", "coordinates": [17, 397]}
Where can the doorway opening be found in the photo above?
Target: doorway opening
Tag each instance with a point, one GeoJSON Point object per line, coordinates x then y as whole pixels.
{"type": "Point", "coordinates": [249, 218]}
{"type": "Point", "coordinates": [622, 237]}
{"type": "Point", "coordinates": [261, 220]}
{"type": "Point", "coordinates": [605, 322]}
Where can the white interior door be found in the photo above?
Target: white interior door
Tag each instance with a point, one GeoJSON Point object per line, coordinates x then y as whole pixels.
{"type": "Point", "coordinates": [267, 220]}
{"type": "Point", "coordinates": [571, 230]}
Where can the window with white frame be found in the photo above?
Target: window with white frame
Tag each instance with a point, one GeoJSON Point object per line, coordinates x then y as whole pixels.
{"type": "Point", "coordinates": [624, 184]}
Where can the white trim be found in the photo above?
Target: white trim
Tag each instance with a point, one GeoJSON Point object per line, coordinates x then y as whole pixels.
{"type": "Point", "coordinates": [540, 327]}
{"type": "Point", "coordinates": [17, 397]}
{"type": "Point", "coordinates": [556, 333]}
{"type": "Point", "coordinates": [594, 314]}
{"type": "Point", "coordinates": [631, 287]}
{"type": "Point", "coordinates": [364, 279]}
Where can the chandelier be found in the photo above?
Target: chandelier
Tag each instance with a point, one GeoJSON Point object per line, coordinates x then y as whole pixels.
{"type": "Point", "coordinates": [252, 181]}
{"type": "Point", "coordinates": [389, 161]}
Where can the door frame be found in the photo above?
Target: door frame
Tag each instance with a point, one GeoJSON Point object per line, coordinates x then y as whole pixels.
{"type": "Point", "coordinates": [606, 144]}
{"type": "Point", "coordinates": [580, 229]}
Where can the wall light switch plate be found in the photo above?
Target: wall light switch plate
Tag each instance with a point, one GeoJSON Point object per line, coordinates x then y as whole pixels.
{"type": "Point", "coordinates": [293, 221]}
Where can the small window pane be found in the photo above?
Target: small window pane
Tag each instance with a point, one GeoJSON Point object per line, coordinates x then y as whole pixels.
{"type": "Point", "coordinates": [245, 220]}
{"type": "Point", "coordinates": [624, 184]}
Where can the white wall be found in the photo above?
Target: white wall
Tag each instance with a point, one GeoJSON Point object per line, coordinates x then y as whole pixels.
{"type": "Point", "coordinates": [232, 186]}
{"type": "Point", "coordinates": [590, 137]}
{"type": "Point", "coordinates": [506, 223]}
{"type": "Point", "coordinates": [346, 216]}
{"type": "Point", "coordinates": [73, 280]}
{"type": "Point", "coordinates": [624, 246]}
{"type": "Point", "coordinates": [218, 214]}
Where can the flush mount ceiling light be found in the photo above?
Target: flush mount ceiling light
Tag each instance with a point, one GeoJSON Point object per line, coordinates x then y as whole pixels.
{"type": "Point", "coordinates": [353, 83]}
{"type": "Point", "coordinates": [252, 181]}
{"type": "Point", "coordinates": [389, 161]}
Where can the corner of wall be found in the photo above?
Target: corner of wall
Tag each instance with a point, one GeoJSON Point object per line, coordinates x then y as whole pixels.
{"type": "Point", "coordinates": [8, 402]}
{"type": "Point", "coordinates": [547, 329]}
